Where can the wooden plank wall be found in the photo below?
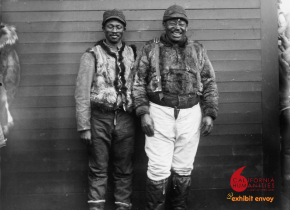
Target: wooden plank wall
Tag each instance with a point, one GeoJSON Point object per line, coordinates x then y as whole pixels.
{"type": "Point", "coordinates": [44, 164]}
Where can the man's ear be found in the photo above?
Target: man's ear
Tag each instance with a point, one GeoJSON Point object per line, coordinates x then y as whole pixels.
{"type": "Point", "coordinates": [164, 26]}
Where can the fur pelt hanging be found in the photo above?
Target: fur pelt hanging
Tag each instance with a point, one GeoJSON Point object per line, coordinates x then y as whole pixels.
{"type": "Point", "coordinates": [9, 73]}
{"type": "Point", "coordinates": [284, 96]}
{"type": "Point", "coordinates": [9, 61]}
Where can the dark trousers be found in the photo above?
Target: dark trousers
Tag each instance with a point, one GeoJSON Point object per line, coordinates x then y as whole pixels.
{"type": "Point", "coordinates": [112, 132]}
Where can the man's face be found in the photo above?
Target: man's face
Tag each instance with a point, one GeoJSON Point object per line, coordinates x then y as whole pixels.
{"type": "Point", "coordinates": [114, 30]}
{"type": "Point", "coordinates": [175, 30]}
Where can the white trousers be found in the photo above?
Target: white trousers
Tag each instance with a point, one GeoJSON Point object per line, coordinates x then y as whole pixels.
{"type": "Point", "coordinates": [174, 143]}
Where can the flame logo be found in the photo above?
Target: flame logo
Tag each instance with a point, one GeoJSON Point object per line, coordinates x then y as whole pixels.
{"type": "Point", "coordinates": [239, 183]}
{"type": "Point", "coordinates": [230, 195]}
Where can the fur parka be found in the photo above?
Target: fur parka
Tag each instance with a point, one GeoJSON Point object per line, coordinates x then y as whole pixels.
{"type": "Point", "coordinates": [184, 69]}
{"type": "Point", "coordinates": [9, 77]}
{"type": "Point", "coordinates": [9, 61]}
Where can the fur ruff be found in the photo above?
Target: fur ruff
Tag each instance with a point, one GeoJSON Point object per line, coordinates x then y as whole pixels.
{"type": "Point", "coordinates": [8, 35]}
{"type": "Point", "coordinates": [119, 69]}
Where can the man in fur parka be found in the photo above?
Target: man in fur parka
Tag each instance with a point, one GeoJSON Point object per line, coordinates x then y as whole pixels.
{"type": "Point", "coordinates": [9, 76]}
{"type": "Point", "coordinates": [104, 112]}
{"type": "Point", "coordinates": [175, 94]}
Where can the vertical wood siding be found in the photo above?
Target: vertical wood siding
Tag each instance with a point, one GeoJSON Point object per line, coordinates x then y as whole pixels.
{"type": "Point", "coordinates": [45, 164]}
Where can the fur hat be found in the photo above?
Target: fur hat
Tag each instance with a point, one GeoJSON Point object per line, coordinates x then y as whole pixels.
{"type": "Point", "coordinates": [173, 12]}
{"type": "Point", "coordinates": [114, 14]}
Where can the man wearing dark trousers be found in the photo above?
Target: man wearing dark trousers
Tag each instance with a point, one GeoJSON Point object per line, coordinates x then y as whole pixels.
{"type": "Point", "coordinates": [176, 96]}
{"type": "Point", "coordinates": [104, 112]}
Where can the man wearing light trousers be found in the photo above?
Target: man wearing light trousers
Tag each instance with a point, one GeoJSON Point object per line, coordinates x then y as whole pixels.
{"type": "Point", "coordinates": [176, 97]}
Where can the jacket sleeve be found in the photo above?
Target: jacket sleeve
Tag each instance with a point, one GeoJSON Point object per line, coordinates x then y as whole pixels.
{"type": "Point", "coordinates": [82, 92]}
{"type": "Point", "coordinates": [141, 102]}
{"type": "Point", "coordinates": [210, 96]}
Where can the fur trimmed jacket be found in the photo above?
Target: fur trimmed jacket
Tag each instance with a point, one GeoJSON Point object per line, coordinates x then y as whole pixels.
{"type": "Point", "coordinates": [104, 81]}
{"type": "Point", "coordinates": [184, 69]}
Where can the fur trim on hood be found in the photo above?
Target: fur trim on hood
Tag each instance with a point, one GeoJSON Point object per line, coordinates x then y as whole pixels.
{"type": "Point", "coordinates": [8, 35]}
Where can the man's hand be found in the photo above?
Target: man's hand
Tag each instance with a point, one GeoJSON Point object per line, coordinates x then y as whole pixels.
{"type": "Point", "coordinates": [86, 137]}
{"type": "Point", "coordinates": [206, 125]}
{"type": "Point", "coordinates": [147, 125]}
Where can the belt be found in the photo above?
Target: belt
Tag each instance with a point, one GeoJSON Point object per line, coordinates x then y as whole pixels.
{"type": "Point", "coordinates": [179, 101]}
{"type": "Point", "coordinates": [105, 108]}
{"type": "Point", "coordinates": [115, 111]}
{"type": "Point", "coordinates": [176, 101]}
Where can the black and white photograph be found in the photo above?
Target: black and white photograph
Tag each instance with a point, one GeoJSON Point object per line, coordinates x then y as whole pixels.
{"type": "Point", "coordinates": [144, 105]}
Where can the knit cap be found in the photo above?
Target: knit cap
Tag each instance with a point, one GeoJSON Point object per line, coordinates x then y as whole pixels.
{"type": "Point", "coordinates": [114, 14]}
{"type": "Point", "coordinates": [173, 12]}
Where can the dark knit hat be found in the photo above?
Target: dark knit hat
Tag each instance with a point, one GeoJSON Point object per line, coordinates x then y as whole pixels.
{"type": "Point", "coordinates": [173, 12]}
{"type": "Point", "coordinates": [114, 14]}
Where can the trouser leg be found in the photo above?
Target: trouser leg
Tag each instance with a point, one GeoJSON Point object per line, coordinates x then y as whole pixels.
{"type": "Point", "coordinates": [156, 194]}
{"type": "Point", "coordinates": [101, 127]}
{"type": "Point", "coordinates": [159, 149]}
{"type": "Point", "coordinates": [187, 140]}
{"type": "Point", "coordinates": [185, 148]}
{"type": "Point", "coordinates": [123, 148]}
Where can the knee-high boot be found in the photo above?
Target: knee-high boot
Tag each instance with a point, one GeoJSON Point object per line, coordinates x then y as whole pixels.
{"type": "Point", "coordinates": [180, 192]}
{"type": "Point", "coordinates": [155, 194]}
{"type": "Point", "coordinates": [97, 206]}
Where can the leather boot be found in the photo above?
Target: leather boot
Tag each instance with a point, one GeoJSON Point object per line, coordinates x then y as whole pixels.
{"type": "Point", "coordinates": [97, 206]}
{"type": "Point", "coordinates": [123, 206]}
{"type": "Point", "coordinates": [155, 194]}
{"type": "Point", "coordinates": [180, 192]}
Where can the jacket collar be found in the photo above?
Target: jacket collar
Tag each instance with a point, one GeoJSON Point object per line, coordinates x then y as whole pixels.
{"type": "Point", "coordinates": [108, 49]}
{"type": "Point", "coordinates": [120, 81]}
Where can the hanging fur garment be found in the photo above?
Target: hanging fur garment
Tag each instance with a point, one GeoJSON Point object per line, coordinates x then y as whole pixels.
{"type": "Point", "coordinates": [9, 74]}
{"type": "Point", "coordinates": [284, 93]}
